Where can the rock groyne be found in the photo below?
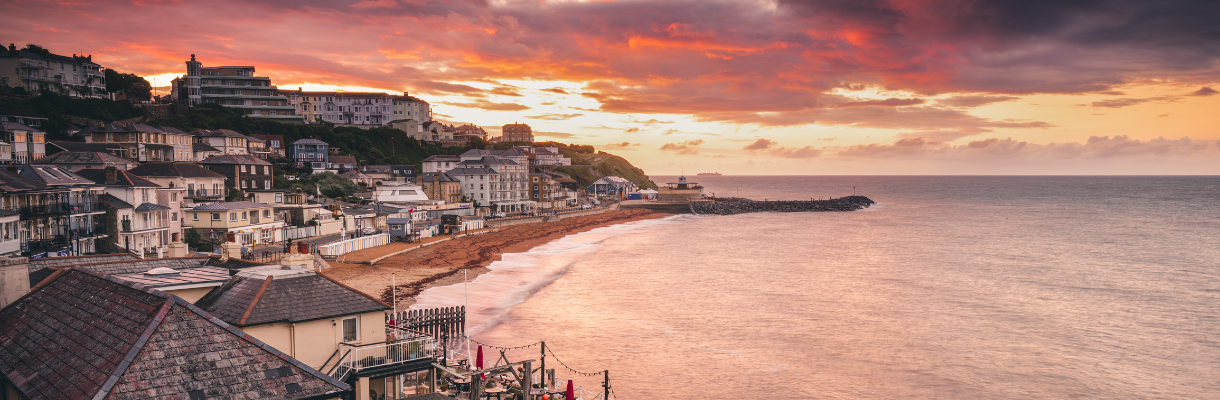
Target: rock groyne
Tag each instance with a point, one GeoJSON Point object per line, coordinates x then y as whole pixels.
{"type": "Point", "coordinates": [849, 203]}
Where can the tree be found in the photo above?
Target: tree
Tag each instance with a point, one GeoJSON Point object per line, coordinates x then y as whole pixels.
{"type": "Point", "coordinates": [130, 86]}
{"type": "Point", "coordinates": [334, 186]}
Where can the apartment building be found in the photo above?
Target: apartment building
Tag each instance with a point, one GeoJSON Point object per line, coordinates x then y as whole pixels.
{"type": "Point", "coordinates": [410, 107]}
{"type": "Point", "coordinates": [143, 142]}
{"type": "Point", "coordinates": [516, 133]}
{"type": "Point", "coordinates": [469, 131]}
{"type": "Point", "coordinates": [27, 144]}
{"type": "Point", "coordinates": [224, 140]}
{"type": "Point", "coordinates": [59, 212]}
{"type": "Point", "coordinates": [361, 110]}
{"type": "Point", "coordinates": [142, 216]}
{"type": "Point", "coordinates": [546, 192]}
{"type": "Point", "coordinates": [233, 86]}
{"type": "Point", "coordinates": [75, 76]}
{"type": "Point", "coordinates": [241, 171]}
{"type": "Point", "coordinates": [201, 186]}
{"type": "Point", "coordinates": [252, 223]}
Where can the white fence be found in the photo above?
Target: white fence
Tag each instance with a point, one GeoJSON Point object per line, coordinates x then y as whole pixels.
{"type": "Point", "coordinates": [300, 232]}
{"type": "Point", "coordinates": [350, 245]}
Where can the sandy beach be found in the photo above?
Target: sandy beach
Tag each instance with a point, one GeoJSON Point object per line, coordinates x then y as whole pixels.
{"type": "Point", "coordinates": [441, 264]}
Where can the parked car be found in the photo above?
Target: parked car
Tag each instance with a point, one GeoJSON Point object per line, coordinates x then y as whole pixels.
{"type": "Point", "coordinates": [585, 206]}
{"type": "Point", "coordinates": [498, 215]}
{"type": "Point", "coordinates": [368, 230]}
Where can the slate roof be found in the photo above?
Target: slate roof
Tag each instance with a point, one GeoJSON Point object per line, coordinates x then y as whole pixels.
{"type": "Point", "coordinates": [342, 159]}
{"type": "Point", "coordinates": [472, 171]}
{"type": "Point", "coordinates": [234, 159]}
{"type": "Point", "coordinates": [445, 177]}
{"type": "Point", "coordinates": [151, 207]}
{"type": "Point", "coordinates": [10, 182]}
{"type": "Point", "coordinates": [40, 263]}
{"type": "Point", "coordinates": [219, 133]}
{"type": "Point", "coordinates": [443, 158]}
{"type": "Point", "coordinates": [174, 170]}
{"type": "Point", "coordinates": [120, 266]}
{"type": "Point", "coordinates": [125, 178]}
{"type": "Point", "coordinates": [231, 205]}
{"type": "Point", "coordinates": [269, 294]}
{"type": "Point", "coordinates": [84, 335]}
{"type": "Point", "coordinates": [51, 175]}
{"type": "Point", "coordinates": [198, 147]}
{"type": "Point", "coordinates": [81, 146]}
{"type": "Point", "coordinates": [115, 201]}
{"type": "Point", "coordinates": [309, 141]}
{"type": "Point", "coordinates": [85, 157]}
{"type": "Point", "coordinates": [188, 276]}
{"type": "Point", "coordinates": [11, 126]}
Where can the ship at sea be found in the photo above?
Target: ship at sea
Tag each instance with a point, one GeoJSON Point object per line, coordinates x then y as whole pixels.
{"type": "Point", "coordinates": [708, 174]}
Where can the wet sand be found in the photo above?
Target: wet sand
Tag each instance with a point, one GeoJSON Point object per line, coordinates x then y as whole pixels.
{"type": "Point", "coordinates": [441, 264]}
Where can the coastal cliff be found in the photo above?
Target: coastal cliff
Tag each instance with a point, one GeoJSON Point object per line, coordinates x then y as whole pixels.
{"type": "Point", "coordinates": [740, 206]}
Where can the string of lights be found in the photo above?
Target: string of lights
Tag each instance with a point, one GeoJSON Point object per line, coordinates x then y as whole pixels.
{"type": "Point", "coordinates": [572, 369]}
{"type": "Point", "coordinates": [503, 348]}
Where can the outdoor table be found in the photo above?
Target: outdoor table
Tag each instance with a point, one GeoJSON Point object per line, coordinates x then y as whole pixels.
{"type": "Point", "coordinates": [496, 391]}
{"type": "Point", "coordinates": [463, 385]}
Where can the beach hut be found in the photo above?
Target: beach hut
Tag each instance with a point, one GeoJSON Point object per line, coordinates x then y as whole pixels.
{"type": "Point", "coordinates": [649, 194]}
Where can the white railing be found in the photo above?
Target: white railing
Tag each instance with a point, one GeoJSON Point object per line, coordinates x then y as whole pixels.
{"type": "Point", "coordinates": [356, 358]}
{"type": "Point", "coordinates": [350, 245]}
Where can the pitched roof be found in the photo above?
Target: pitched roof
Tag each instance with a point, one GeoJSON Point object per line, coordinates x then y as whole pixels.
{"type": "Point", "coordinates": [198, 147]}
{"type": "Point", "coordinates": [10, 182]}
{"type": "Point", "coordinates": [117, 265]}
{"type": "Point", "coordinates": [185, 276]}
{"type": "Point", "coordinates": [83, 334]}
{"type": "Point", "coordinates": [444, 158]}
{"type": "Point", "coordinates": [309, 141]}
{"type": "Point", "coordinates": [151, 207]}
{"type": "Point", "coordinates": [354, 174]}
{"type": "Point", "coordinates": [81, 146]}
{"type": "Point", "coordinates": [472, 171]}
{"type": "Point", "coordinates": [84, 157]}
{"type": "Point", "coordinates": [52, 175]}
{"type": "Point", "coordinates": [234, 159]}
{"type": "Point", "coordinates": [342, 159]}
{"type": "Point", "coordinates": [10, 126]}
{"type": "Point", "coordinates": [115, 201]}
{"type": "Point", "coordinates": [269, 294]}
{"type": "Point", "coordinates": [125, 178]}
{"type": "Point", "coordinates": [444, 177]}
{"type": "Point", "coordinates": [231, 205]}
{"type": "Point", "coordinates": [175, 170]}
{"type": "Point", "coordinates": [40, 263]}
{"type": "Point", "coordinates": [218, 133]}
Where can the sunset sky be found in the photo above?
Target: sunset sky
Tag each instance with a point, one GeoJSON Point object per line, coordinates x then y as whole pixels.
{"type": "Point", "coordinates": [741, 87]}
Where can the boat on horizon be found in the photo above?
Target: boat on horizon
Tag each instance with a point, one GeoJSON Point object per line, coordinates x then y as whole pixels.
{"type": "Point", "coordinates": [708, 174]}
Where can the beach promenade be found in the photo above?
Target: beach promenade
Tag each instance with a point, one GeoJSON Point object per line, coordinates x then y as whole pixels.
{"type": "Point", "coordinates": [441, 260]}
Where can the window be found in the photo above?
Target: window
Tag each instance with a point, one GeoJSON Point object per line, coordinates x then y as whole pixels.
{"type": "Point", "coordinates": [195, 216]}
{"type": "Point", "coordinates": [243, 168]}
{"type": "Point", "coordinates": [351, 332]}
{"type": "Point", "coordinates": [173, 197]}
{"type": "Point", "coordinates": [245, 215]}
{"type": "Point", "coordinates": [266, 213]}
{"type": "Point", "coordinates": [232, 216]}
{"type": "Point", "coordinates": [216, 216]}
{"type": "Point", "coordinates": [279, 197]}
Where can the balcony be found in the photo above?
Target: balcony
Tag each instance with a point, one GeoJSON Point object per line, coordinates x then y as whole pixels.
{"type": "Point", "coordinates": [55, 243]}
{"type": "Point", "coordinates": [205, 194]}
{"type": "Point", "coordinates": [79, 208]}
{"type": "Point", "coordinates": [85, 233]}
{"type": "Point", "coordinates": [44, 210]}
{"type": "Point", "coordinates": [354, 358]}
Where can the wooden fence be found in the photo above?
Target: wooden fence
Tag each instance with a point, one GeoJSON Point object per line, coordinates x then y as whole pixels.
{"type": "Point", "coordinates": [434, 322]}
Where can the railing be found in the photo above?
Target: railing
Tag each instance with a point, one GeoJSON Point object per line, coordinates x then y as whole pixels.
{"type": "Point", "coordinates": [356, 358]}
{"type": "Point", "coordinates": [44, 245]}
{"type": "Point", "coordinates": [37, 211]}
{"type": "Point", "coordinates": [204, 194]}
{"type": "Point", "coordinates": [87, 232]}
{"type": "Point", "coordinates": [88, 207]}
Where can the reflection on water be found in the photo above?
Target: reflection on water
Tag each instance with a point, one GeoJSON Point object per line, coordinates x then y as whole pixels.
{"type": "Point", "coordinates": [1010, 287]}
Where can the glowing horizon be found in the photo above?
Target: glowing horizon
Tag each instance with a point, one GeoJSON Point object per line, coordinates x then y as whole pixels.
{"type": "Point", "coordinates": [740, 87]}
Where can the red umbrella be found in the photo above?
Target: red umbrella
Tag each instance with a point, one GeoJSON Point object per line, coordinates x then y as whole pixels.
{"type": "Point", "coordinates": [478, 361]}
{"type": "Point", "coordinates": [571, 394]}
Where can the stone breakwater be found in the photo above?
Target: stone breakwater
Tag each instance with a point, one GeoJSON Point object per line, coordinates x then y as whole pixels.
{"type": "Point", "coordinates": [849, 203]}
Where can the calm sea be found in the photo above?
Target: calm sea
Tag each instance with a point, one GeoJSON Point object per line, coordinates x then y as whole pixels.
{"type": "Point", "coordinates": [949, 288]}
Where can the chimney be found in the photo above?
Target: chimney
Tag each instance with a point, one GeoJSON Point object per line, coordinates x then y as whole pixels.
{"type": "Point", "coordinates": [12, 47]}
{"type": "Point", "coordinates": [14, 279]}
{"type": "Point", "coordinates": [112, 175]}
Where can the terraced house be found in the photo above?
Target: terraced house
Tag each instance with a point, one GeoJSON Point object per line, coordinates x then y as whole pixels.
{"type": "Point", "coordinates": [253, 223]}
{"type": "Point", "coordinates": [143, 142]}
{"type": "Point", "coordinates": [241, 171]}
{"type": "Point", "coordinates": [141, 216]}
{"type": "Point", "coordinates": [75, 76]}
{"type": "Point", "coordinates": [60, 212]}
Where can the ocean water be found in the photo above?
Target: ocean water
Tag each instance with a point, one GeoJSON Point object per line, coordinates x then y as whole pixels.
{"type": "Point", "coordinates": [949, 288]}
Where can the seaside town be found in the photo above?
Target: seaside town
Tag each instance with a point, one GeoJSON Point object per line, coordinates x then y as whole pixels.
{"type": "Point", "coordinates": [143, 260]}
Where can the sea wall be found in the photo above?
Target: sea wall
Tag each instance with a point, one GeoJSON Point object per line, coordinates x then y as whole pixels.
{"type": "Point", "coordinates": [849, 203]}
